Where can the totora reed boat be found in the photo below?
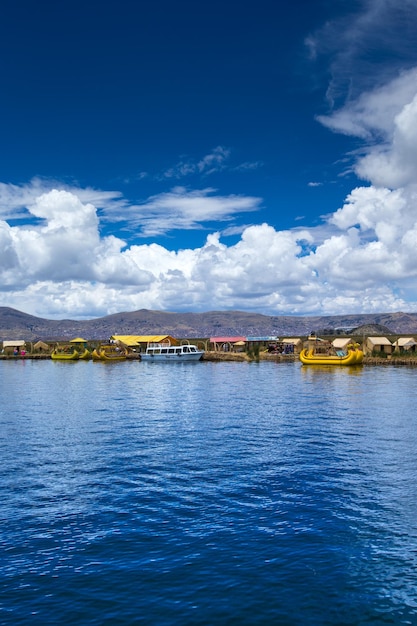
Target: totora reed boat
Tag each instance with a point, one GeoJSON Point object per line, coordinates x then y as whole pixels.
{"type": "Point", "coordinates": [80, 345]}
{"type": "Point", "coordinates": [66, 353]}
{"type": "Point", "coordinates": [75, 350]}
{"type": "Point", "coordinates": [109, 353]}
{"type": "Point", "coordinates": [353, 356]}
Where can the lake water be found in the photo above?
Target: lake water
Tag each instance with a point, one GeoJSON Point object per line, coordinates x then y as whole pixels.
{"type": "Point", "coordinates": [207, 493]}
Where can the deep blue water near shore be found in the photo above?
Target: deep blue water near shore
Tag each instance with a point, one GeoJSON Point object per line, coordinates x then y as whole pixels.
{"type": "Point", "coordinates": [207, 493]}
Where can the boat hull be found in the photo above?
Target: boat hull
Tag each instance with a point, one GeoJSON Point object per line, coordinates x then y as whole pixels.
{"type": "Point", "coordinates": [108, 355]}
{"type": "Point", "coordinates": [171, 358]}
{"type": "Point", "coordinates": [353, 357]}
{"type": "Point", "coordinates": [112, 358]}
{"type": "Point", "coordinates": [63, 356]}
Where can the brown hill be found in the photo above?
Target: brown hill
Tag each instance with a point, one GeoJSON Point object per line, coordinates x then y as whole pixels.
{"type": "Point", "coordinates": [15, 324]}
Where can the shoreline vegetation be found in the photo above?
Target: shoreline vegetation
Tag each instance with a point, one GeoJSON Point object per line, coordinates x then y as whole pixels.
{"type": "Point", "coordinates": [244, 357]}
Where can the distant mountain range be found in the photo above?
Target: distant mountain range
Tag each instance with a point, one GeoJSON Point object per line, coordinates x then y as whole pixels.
{"type": "Point", "coordinates": [15, 324]}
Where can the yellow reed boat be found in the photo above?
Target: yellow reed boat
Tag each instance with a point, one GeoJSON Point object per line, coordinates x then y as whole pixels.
{"type": "Point", "coordinates": [80, 345]}
{"type": "Point", "coordinates": [66, 353]}
{"type": "Point", "coordinates": [109, 353]}
{"type": "Point", "coordinates": [353, 356]}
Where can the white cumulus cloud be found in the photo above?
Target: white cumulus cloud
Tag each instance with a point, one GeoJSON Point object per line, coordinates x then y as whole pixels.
{"type": "Point", "coordinates": [60, 266]}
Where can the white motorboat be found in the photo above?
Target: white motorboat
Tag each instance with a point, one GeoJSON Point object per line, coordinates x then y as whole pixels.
{"type": "Point", "coordinates": [164, 352]}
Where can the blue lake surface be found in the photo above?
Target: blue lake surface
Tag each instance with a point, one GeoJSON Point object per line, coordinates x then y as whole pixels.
{"type": "Point", "coordinates": [207, 493]}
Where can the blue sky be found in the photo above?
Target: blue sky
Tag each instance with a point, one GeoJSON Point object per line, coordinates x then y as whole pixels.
{"type": "Point", "coordinates": [190, 156]}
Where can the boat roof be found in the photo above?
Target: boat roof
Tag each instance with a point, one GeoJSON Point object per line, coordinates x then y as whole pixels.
{"type": "Point", "coordinates": [153, 345]}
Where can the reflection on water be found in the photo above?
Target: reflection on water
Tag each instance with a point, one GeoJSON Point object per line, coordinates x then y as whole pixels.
{"type": "Point", "coordinates": [203, 493]}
